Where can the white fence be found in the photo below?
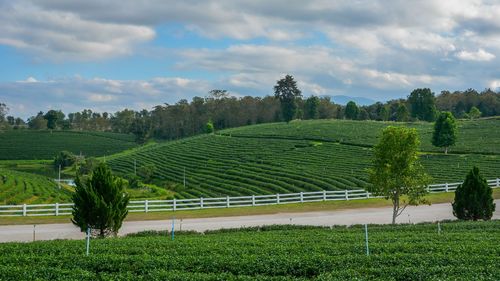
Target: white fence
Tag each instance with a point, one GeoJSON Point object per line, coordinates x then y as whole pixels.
{"type": "Point", "coordinates": [221, 202]}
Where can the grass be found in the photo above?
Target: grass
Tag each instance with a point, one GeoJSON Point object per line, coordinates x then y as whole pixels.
{"type": "Point", "coordinates": [434, 198]}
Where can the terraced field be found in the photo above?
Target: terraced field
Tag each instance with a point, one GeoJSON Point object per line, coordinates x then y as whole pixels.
{"type": "Point", "coordinates": [474, 136]}
{"type": "Point", "coordinates": [256, 162]}
{"type": "Point", "coordinates": [463, 251]}
{"type": "Point", "coordinates": [33, 145]}
{"type": "Point", "coordinates": [19, 187]}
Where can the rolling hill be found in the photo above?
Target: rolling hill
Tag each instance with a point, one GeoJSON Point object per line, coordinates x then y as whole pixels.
{"type": "Point", "coordinates": [29, 144]}
{"type": "Point", "coordinates": [300, 156]}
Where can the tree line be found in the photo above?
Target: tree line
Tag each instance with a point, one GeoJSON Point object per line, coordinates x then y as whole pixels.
{"type": "Point", "coordinates": [221, 110]}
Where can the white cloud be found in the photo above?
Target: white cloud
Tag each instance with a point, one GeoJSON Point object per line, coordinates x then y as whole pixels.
{"type": "Point", "coordinates": [495, 84]}
{"type": "Point", "coordinates": [479, 55]}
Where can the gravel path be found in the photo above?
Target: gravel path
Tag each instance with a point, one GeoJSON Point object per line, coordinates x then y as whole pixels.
{"type": "Point", "coordinates": [412, 214]}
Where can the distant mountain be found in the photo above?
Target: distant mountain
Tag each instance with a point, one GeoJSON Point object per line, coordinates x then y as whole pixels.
{"type": "Point", "coordinates": [358, 100]}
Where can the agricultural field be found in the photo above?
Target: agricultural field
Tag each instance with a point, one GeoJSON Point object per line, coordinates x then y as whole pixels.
{"type": "Point", "coordinates": [19, 187]}
{"type": "Point", "coordinates": [474, 136]}
{"type": "Point", "coordinates": [36, 145]}
{"type": "Point", "coordinates": [462, 251]}
{"type": "Point", "coordinates": [301, 156]}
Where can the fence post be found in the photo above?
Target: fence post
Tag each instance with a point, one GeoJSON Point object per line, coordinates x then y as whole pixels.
{"type": "Point", "coordinates": [201, 203]}
{"type": "Point", "coordinates": [227, 201]}
{"type": "Point", "coordinates": [346, 194]}
{"type": "Point", "coordinates": [253, 200]}
{"type": "Point", "coordinates": [277, 198]}
{"type": "Point", "coordinates": [174, 205]}
{"type": "Point", "coordinates": [57, 209]}
{"type": "Point", "coordinates": [367, 194]}
{"type": "Point", "coordinates": [366, 239]}
{"type": "Point", "coordinates": [301, 197]}
{"type": "Point", "coordinates": [324, 195]}
{"type": "Point", "coordinates": [446, 187]}
{"type": "Point", "coordinates": [146, 207]}
{"type": "Point", "coordinates": [24, 210]}
{"type": "Point", "coordinates": [88, 241]}
{"type": "Point", "coordinates": [498, 182]}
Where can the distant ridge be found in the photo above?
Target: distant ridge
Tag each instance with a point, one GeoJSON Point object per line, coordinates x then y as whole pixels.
{"type": "Point", "coordinates": [345, 99]}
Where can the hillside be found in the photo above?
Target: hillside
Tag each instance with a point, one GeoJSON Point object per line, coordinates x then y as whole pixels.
{"type": "Point", "coordinates": [300, 156]}
{"type": "Point", "coordinates": [29, 144]}
{"type": "Point", "coordinates": [462, 251]}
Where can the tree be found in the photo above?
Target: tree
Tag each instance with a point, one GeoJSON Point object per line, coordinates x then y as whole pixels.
{"type": "Point", "coordinates": [100, 202]}
{"type": "Point", "coordinates": [64, 159]}
{"type": "Point", "coordinates": [445, 131]}
{"type": "Point", "coordinates": [473, 199]}
{"type": "Point", "coordinates": [396, 170]}
{"type": "Point", "coordinates": [209, 127]}
{"type": "Point", "coordinates": [402, 113]}
{"type": "Point", "coordinates": [363, 114]}
{"type": "Point", "coordinates": [474, 113]}
{"type": "Point", "coordinates": [422, 104]}
{"type": "Point", "coordinates": [351, 110]}
{"type": "Point", "coordinates": [38, 122]}
{"type": "Point", "coordinates": [311, 107]}
{"type": "Point", "coordinates": [287, 92]}
{"type": "Point", "coordinates": [146, 172]}
{"type": "Point", "coordinates": [53, 118]}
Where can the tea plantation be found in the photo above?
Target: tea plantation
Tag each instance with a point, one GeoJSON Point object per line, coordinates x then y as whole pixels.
{"type": "Point", "coordinates": [462, 251]}
{"type": "Point", "coordinates": [28, 144]}
{"type": "Point", "coordinates": [300, 156]}
{"type": "Point", "coordinates": [19, 187]}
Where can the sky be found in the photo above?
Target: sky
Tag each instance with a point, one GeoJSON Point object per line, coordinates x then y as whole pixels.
{"type": "Point", "coordinates": [111, 55]}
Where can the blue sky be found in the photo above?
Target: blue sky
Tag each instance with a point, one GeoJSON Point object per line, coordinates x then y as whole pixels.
{"type": "Point", "coordinates": [110, 55]}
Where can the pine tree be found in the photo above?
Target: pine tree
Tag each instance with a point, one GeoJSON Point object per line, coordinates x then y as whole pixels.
{"type": "Point", "coordinates": [287, 92]}
{"type": "Point", "coordinates": [100, 202]}
{"type": "Point", "coordinates": [473, 198]}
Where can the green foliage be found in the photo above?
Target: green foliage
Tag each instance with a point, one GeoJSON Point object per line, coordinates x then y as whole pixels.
{"type": "Point", "coordinates": [473, 198]}
{"type": "Point", "coordinates": [88, 165]}
{"type": "Point", "coordinates": [54, 118]}
{"type": "Point", "coordinates": [422, 104]}
{"type": "Point", "coordinates": [311, 107]}
{"type": "Point", "coordinates": [64, 159]}
{"type": "Point", "coordinates": [351, 110]}
{"type": "Point", "coordinates": [463, 251]}
{"type": "Point", "coordinates": [287, 92]}
{"type": "Point", "coordinates": [402, 114]}
{"type": "Point", "coordinates": [100, 202]}
{"type": "Point", "coordinates": [146, 172]}
{"type": "Point", "coordinates": [20, 187]}
{"type": "Point", "coordinates": [28, 144]}
{"type": "Point", "coordinates": [474, 113]}
{"type": "Point", "coordinates": [445, 131]}
{"type": "Point", "coordinates": [396, 168]}
{"type": "Point", "coordinates": [209, 127]}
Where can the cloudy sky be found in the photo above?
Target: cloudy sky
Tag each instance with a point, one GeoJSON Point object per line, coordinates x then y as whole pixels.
{"type": "Point", "coordinates": [108, 55]}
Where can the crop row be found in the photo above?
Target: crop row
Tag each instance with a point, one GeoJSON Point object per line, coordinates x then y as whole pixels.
{"type": "Point", "coordinates": [221, 165]}
{"type": "Point", "coordinates": [462, 251]}
{"type": "Point", "coordinates": [24, 144]}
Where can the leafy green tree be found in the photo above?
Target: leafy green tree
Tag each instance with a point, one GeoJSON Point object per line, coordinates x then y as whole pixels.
{"type": "Point", "coordinates": [87, 165]}
{"type": "Point", "coordinates": [100, 203]}
{"type": "Point", "coordinates": [64, 159]}
{"type": "Point", "coordinates": [312, 107]}
{"type": "Point", "coordinates": [287, 92]}
{"type": "Point", "coordinates": [53, 118]}
{"type": "Point", "coordinates": [209, 127]}
{"type": "Point", "coordinates": [474, 113]}
{"type": "Point", "coordinates": [445, 131]}
{"type": "Point", "coordinates": [37, 122]}
{"type": "Point", "coordinates": [141, 126]}
{"type": "Point", "coordinates": [402, 113]}
{"type": "Point", "coordinates": [146, 172]}
{"type": "Point", "coordinates": [396, 170]}
{"type": "Point", "coordinates": [351, 110]}
{"type": "Point", "coordinates": [363, 114]}
{"type": "Point", "coordinates": [473, 198]}
{"type": "Point", "coordinates": [422, 104]}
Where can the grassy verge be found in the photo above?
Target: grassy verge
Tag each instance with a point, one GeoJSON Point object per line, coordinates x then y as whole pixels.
{"type": "Point", "coordinates": [244, 211]}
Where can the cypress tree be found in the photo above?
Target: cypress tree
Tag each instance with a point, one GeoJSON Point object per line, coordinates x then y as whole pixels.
{"type": "Point", "coordinates": [100, 202]}
{"type": "Point", "coordinates": [473, 199]}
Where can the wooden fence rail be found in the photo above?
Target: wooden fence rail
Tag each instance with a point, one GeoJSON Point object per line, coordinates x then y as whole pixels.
{"type": "Point", "coordinates": [59, 209]}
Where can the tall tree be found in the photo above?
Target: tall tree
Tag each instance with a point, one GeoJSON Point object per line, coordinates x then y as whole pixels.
{"type": "Point", "coordinates": [445, 131]}
{"type": "Point", "coordinates": [287, 92]}
{"type": "Point", "coordinates": [422, 104]}
{"type": "Point", "coordinates": [474, 113]}
{"type": "Point", "coordinates": [100, 202]}
{"type": "Point", "coordinates": [351, 110]}
{"type": "Point", "coordinates": [473, 198]}
{"type": "Point", "coordinates": [402, 113]}
{"type": "Point", "coordinates": [396, 170]}
{"type": "Point", "coordinates": [53, 117]}
{"type": "Point", "coordinates": [311, 107]}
